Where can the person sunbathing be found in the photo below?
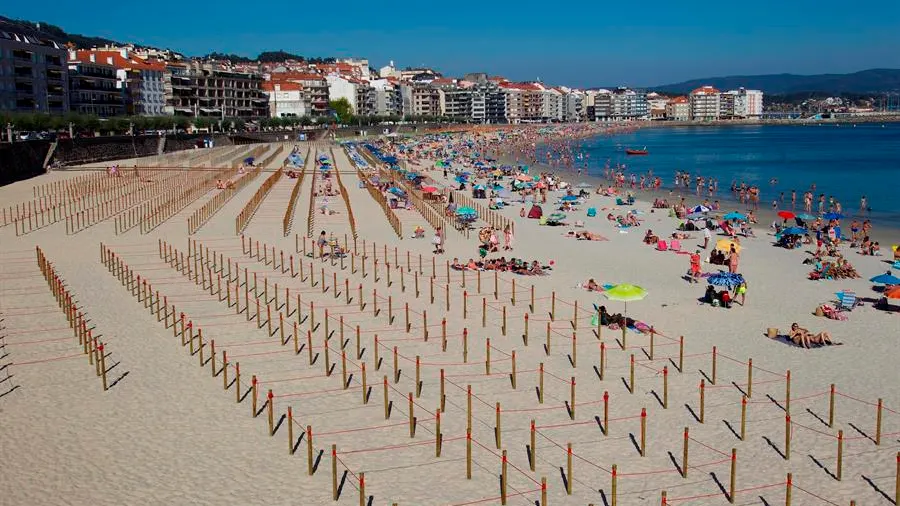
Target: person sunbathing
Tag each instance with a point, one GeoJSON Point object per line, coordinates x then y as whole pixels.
{"type": "Point", "coordinates": [584, 235]}
{"type": "Point", "coordinates": [650, 238]}
{"type": "Point", "coordinates": [592, 286]}
{"type": "Point", "coordinates": [456, 265]}
{"type": "Point", "coordinates": [803, 337]}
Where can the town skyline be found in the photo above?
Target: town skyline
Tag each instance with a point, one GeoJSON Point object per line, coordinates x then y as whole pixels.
{"type": "Point", "coordinates": [644, 54]}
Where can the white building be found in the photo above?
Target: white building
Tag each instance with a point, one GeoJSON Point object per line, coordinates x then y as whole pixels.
{"type": "Point", "coordinates": [678, 109]}
{"type": "Point", "coordinates": [705, 104]}
{"type": "Point", "coordinates": [387, 97]}
{"type": "Point", "coordinates": [286, 99]}
{"type": "Point", "coordinates": [389, 71]}
{"type": "Point", "coordinates": [342, 87]}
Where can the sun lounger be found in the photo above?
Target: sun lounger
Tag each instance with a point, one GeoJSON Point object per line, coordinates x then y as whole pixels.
{"type": "Point", "coordinates": [846, 300]}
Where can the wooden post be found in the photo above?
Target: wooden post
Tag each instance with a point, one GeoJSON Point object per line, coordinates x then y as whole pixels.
{"type": "Point", "coordinates": [543, 491]}
{"type": "Point", "coordinates": [631, 375]}
{"type": "Point", "coordinates": [681, 354]}
{"type": "Point", "coordinates": [483, 312]}
{"type": "Point", "coordinates": [253, 394]}
{"type": "Point", "coordinates": [541, 383]}
{"type": "Point", "coordinates": [643, 432]}
{"type": "Point", "coordinates": [731, 489]}
{"type": "Point", "coordinates": [513, 373]}
{"type": "Point", "coordinates": [702, 400]}
{"type": "Point", "coordinates": [878, 422]}
{"type": "Point", "coordinates": [497, 427]}
{"type": "Point", "coordinates": [503, 478]}
{"type": "Point", "coordinates": [665, 387]}
{"type": "Point", "coordinates": [787, 437]}
{"type": "Point", "coordinates": [525, 335]}
{"type": "Point", "coordinates": [602, 360]}
{"type": "Point", "coordinates": [574, 351]}
{"type": "Point", "coordinates": [553, 306]}
{"type": "Point", "coordinates": [840, 456]}
{"type": "Point", "coordinates": [362, 489]}
{"type": "Point", "coordinates": [103, 366]}
{"type": "Point", "coordinates": [789, 485]}
{"type": "Point", "coordinates": [743, 417]}
{"type": "Point", "coordinates": [365, 389]}
{"type": "Point", "coordinates": [412, 417]}
{"type": "Point", "coordinates": [684, 455]}
{"type": "Point", "coordinates": [290, 428]}
{"type": "Point", "coordinates": [831, 407]}
{"type": "Point", "coordinates": [568, 468]}
{"type": "Point", "coordinates": [749, 378]}
{"type": "Point", "coordinates": [387, 412]}
{"type": "Point", "coordinates": [487, 355]}
{"type": "Point", "coordinates": [572, 398]}
{"type": "Point", "coordinates": [615, 475]}
{"type": "Point", "coordinates": [334, 478]}
{"type": "Point", "coordinates": [712, 378]}
{"type": "Point", "coordinates": [438, 435]}
{"type": "Point", "coordinates": [271, 405]}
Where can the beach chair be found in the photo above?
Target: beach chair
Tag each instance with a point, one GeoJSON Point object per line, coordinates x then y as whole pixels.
{"type": "Point", "coordinates": [592, 212]}
{"type": "Point", "coordinates": [846, 300]}
{"type": "Point", "coordinates": [620, 202]}
{"type": "Point", "coordinates": [543, 220]}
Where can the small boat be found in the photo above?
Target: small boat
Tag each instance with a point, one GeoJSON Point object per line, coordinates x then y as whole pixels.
{"type": "Point", "coordinates": [637, 151]}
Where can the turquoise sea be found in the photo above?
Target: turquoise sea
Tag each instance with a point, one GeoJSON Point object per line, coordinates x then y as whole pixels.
{"type": "Point", "coordinates": [845, 161]}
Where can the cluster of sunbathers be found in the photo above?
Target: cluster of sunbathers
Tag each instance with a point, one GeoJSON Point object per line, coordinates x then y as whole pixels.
{"type": "Point", "coordinates": [838, 269]}
{"type": "Point", "coordinates": [514, 265]}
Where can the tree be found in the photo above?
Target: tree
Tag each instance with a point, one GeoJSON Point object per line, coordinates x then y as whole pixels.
{"type": "Point", "coordinates": [343, 109]}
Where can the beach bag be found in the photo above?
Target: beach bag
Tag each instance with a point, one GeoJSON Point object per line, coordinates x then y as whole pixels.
{"type": "Point", "coordinates": [661, 246]}
{"type": "Point", "coordinates": [772, 332]}
{"type": "Point", "coordinates": [675, 245]}
{"type": "Point", "coordinates": [594, 320]}
{"type": "Point", "coordinates": [819, 311]}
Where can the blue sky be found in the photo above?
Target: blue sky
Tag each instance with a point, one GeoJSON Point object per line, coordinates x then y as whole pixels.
{"type": "Point", "coordinates": [572, 43]}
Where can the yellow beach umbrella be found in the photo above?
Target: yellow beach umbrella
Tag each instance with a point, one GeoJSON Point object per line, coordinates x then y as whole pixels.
{"type": "Point", "coordinates": [726, 244]}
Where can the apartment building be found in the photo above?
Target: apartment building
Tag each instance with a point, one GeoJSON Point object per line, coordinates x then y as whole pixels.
{"type": "Point", "coordinates": [387, 97]}
{"type": "Point", "coordinates": [93, 88]}
{"type": "Point", "coordinates": [678, 109]}
{"type": "Point", "coordinates": [705, 104]}
{"type": "Point", "coordinates": [286, 99]}
{"type": "Point", "coordinates": [419, 99]}
{"type": "Point", "coordinates": [343, 87]}
{"type": "Point", "coordinates": [512, 102]}
{"type": "Point", "coordinates": [620, 104]}
{"type": "Point", "coordinates": [314, 85]}
{"type": "Point", "coordinates": [744, 104]}
{"type": "Point", "coordinates": [365, 99]}
{"type": "Point", "coordinates": [573, 109]}
{"type": "Point", "coordinates": [142, 82]}
{"type": "Point", "coordinates": [33, 74]}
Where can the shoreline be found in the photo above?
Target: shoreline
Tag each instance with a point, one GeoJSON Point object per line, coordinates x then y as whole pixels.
{"type": "Point", "coordinates": [885, 234]}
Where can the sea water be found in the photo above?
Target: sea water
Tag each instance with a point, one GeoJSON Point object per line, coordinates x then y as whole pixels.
{"type": "Point", "coordinates": [844, 161]}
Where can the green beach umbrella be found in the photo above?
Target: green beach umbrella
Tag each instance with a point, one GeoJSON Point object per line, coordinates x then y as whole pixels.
{"type": "Point", "coordinates": [625, 293]}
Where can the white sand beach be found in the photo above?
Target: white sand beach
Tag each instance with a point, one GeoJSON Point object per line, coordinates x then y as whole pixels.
{"type": "Point", "coordinates": [167, 431]}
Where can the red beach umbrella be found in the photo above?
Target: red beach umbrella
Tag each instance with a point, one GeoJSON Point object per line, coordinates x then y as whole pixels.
{"type": "Point", "coordinates": [429, 189]}
{"type": "Point", "coordinates": [786, 215]}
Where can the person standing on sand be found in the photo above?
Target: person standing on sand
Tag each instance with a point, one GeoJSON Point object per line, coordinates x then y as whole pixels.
{"type": "Point", "coordinates": [863, 205]}
{"type": "Point", "coordinates": [706, 237]}
{"type": "Point", "coordinates": [507, 238]}
{"type": "Point", "coordinates": [695, 267]}
{"type": "Point", "coordinates": [733, 259]}
{"type": "Point", "coordinates": [793, 199]}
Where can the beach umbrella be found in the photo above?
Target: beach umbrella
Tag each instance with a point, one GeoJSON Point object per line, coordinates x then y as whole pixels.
{"type": "Point", "coordinates": [584, 185]}
{"type": "Point", "coordinates": [569, 198]}
{"type": "Point", "coordinates": [832, 216]}
{"type": "Point", "coordinates": [396, 191]}
{"type": "Point", "coordinates": [805, 216]}
{"type": "Point", "coordinates": [429, 189]}
{"type": "Point", "coordinates": [523, 177]}
{"type": "Point", "coordinates": [893, 292]}
{"type": "Point", "coordinates": [695, 216]}
{"type": "Point", "coordinates": [726, 279]}
{"type": "Point", "coordinates": [556, 217]}
{"type": "Point", "coordinates": [725, 245]}
{"type": "Point", "coordinates": [461, 179]}
{"type": "Point", "coordinates": [734, 215]}
{"type": "Point", "coordinates": [885, 279]}
{"type": "Point", "coordinates": [465, 211]}
{"type": "Point", "coordinates": [700, 209]}
{"type": "Point", "coordinates": [793, 231]}
{"type": "Point", "coordinates": [480, 187]}
{"type": "Point", "coordinates": [786, 215]}
{"type": "Point", "coordinates": [625, 293]}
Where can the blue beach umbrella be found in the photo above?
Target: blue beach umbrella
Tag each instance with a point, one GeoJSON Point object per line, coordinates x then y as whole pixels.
{"type": "Point", "coordinates": [793, 231]}
{"type": "Point", "coordinates": [734, 215]}
{"type": "Point", "coordinates": [832, 216]}
{"type": "Point", "coordinates": [699, 209]}
{"type": "Point", "coordinates": [725, 279]}
{"type": "Point", "coordinates": [569, 198]}
{"type": "Point", "coordinates": [465, 211]}
{"type": "Point", "coordinates": [805, 216]}
{"type": "Point", "coordinates": [885, 279]}
{"type": "Point", "coordinates": [695, 216]}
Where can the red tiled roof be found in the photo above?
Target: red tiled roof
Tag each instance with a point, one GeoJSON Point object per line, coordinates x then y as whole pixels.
{"type": "Point", "coordinates": [282, 85]}
{"type": "Point", "coordinates": [118, 61]}
{"type": "Point", "coordinates": [679, 100]}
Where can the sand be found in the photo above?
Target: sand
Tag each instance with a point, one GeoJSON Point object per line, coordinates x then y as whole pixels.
{"type": "Point", "coordinates": [167, 433]}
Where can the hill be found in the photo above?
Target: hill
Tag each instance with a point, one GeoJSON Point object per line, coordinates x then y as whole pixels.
{"type": "Point", "coordinates": [52, 32]}
{"type": "Point", "coordinates": [865, 81]}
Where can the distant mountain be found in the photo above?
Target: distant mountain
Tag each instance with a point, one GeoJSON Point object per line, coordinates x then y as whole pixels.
{"type": "Point", "coordinates": [865, 81]}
